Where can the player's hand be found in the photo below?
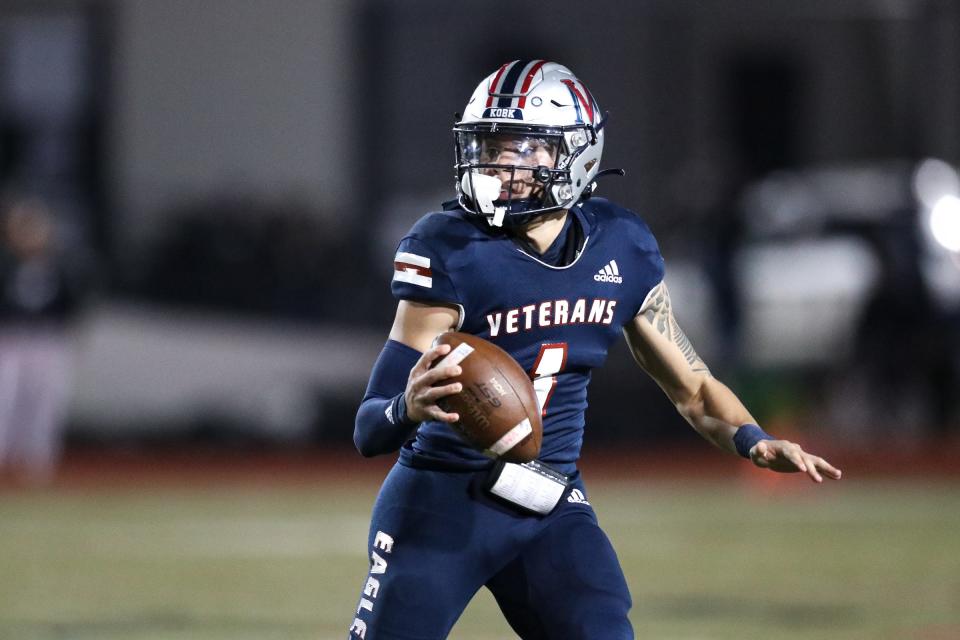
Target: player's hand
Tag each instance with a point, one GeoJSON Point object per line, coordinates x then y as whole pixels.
{"type": "Point", "coordinates": [788, 457]}
{"type": "Point", "coordinates": [425, 386]}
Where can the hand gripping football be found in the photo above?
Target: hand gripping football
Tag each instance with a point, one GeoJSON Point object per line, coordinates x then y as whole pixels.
{"type": "Point", "coordinates": [498, 408]}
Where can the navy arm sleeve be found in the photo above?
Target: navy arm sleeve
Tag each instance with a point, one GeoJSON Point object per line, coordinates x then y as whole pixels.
{"type": "Point", "coordinates": [382, 425]}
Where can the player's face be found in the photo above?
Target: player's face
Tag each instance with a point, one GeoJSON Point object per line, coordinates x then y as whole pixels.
{"type": "Point", "coordinates": [517, 151]}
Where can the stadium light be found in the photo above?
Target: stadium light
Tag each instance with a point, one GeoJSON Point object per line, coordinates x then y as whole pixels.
{"type": "Point", "coordinates": [933, 180]}
{"type": "Point", "coordinates": [945, 222]}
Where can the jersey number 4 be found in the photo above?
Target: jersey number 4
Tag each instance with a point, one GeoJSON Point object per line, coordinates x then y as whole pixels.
{"type": "Point", "coordinates": [550, 361]}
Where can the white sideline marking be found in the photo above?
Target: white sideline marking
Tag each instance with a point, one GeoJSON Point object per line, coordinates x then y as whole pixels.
{"type": "Point", "coordinates": [212, 537]}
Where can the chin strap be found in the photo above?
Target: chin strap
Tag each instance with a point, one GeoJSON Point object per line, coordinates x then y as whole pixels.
{"type": "Point", "coordinates": [593, 185]}
{"type": "Point", "coordinates": [609, 172]}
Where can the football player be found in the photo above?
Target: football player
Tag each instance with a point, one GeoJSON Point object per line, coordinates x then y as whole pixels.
{"type": "Point", "coordinates": [526, 258]}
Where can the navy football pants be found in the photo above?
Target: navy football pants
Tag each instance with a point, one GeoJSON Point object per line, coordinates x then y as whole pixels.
{"type": "Point", "coordinates": [436, 538]}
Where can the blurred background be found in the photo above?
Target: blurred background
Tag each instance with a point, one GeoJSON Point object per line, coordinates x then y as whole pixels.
{"type": "Point", "coordinates": [224, 184]}
{"type": "Point", "coordinates": [200, 201]}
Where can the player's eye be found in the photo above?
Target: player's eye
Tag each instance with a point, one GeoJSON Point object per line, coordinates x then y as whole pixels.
{"type": "Point", "coordinates": [516, 151]}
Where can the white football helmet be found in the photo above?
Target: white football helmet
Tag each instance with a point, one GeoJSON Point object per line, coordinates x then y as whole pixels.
{"type": "Point", "coordinates": [529, 142]}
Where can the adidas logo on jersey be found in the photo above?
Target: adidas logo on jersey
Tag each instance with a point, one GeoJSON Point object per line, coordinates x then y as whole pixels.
{"type": "Point", "coordinates": [576, 496]}
{"type": "Point", "coordinates": [610, 273]}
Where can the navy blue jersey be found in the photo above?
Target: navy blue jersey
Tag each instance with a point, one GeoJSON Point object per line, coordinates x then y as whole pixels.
{"type": "Point", "coordinates": [557, 322]}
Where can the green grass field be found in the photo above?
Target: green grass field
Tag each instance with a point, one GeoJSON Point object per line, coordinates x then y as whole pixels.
{"type": "Point", "coordinates": [855, 559]}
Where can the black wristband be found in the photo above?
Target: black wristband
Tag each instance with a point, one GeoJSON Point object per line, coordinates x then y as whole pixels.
{"type": "Point", "coordinates": [747, 436]}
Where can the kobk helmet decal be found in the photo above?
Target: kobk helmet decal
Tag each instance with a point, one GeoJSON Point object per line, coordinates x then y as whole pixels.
{"type": "Point", "coordinates": [529, 142]}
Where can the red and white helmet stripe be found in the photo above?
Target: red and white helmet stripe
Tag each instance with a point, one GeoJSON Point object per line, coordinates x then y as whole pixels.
{"type": "Point", "coordinates": [511, 83]}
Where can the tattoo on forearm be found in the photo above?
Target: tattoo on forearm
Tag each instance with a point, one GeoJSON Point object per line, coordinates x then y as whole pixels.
{"type": "Point", "coordinates": [658, 311]}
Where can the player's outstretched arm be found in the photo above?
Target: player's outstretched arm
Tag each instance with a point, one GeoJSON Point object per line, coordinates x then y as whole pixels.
{"type": "Point", "coordinates": [403, 390]}
{"type": "Point", "coordinates": [662, 349]}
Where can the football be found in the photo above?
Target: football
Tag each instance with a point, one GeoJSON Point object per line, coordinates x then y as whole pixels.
{"type": "Point", "coordinates": [498, 408]}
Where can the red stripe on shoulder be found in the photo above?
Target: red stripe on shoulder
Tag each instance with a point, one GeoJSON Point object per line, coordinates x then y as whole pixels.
{"type": "Point", "coordinates": [406, 266]}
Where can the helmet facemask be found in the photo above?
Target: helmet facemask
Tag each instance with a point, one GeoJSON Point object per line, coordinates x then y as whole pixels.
{"type": "Point", "coordinates": [510, 174]}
